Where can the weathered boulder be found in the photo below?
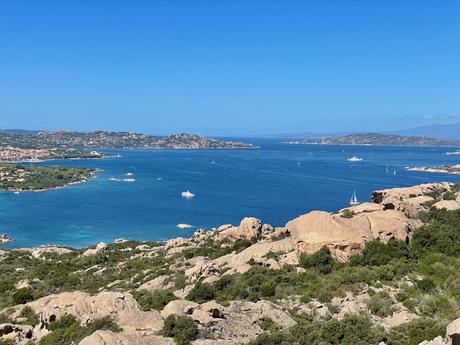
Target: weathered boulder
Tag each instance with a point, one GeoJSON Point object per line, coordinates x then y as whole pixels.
{"type": "Point", "coordinates": [449, 205]}
{"type": "Point", "coordinates": [38, 252]}
{"type": "Point", "coordinates": [256, 252]}
{"type": "Point", "coordinates": [259, 310]}
{"type": "Point", "coordinates": [249, 228]}
{"type": "Point", "coordinates": [453, 331]}
{"type": "Point", "coordinates": [203, 269]}
{"type": "Point", "coordinates": [84, 307]}
{"type": "Point", "coordinates": [99, 248]}
{"type": "Point", "coordinates": [111, 338]}
{"type": "Point", "coordinates": [409, 200]}
{"type": "Point", "coordinates": [18, 334]}
{"type": "Point", "coordinates": [347, 236]}
{"type": "Point", "coordinates": [135, 320]}
{"type": "Point", "coordinates": [159, 283]}
{"type": "Point", "coordinates": [179, 307]}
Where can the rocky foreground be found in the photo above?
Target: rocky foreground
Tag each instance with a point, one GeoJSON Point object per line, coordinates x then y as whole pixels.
{"type": "Point", "coordinates": [381, 272]}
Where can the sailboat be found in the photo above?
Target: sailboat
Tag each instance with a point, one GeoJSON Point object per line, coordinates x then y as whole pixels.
{"type": "Point", "coordinates": [387, 169]}
{"type": "Point", "coordinates": [394, 172]}
{"type": "Point", "coordinates": [354, 200]}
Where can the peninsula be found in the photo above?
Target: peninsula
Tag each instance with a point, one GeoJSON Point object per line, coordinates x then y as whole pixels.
{"type": "Point", "coordinates": [20, 155]}
{"type": "Point", "coordinates": [383, 272]}
{"type": "Point", "coordinates": [378, 139]}
{"type": "Point", "coordinates": [444, 169]}
{"type": "Point", "coordinates": [18, 178]}
{"type": "Point", "coordinates": [105, 139]}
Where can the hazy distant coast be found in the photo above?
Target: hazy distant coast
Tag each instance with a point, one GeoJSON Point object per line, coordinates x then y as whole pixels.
{"type": "Point", "coordinates": [377, 139]}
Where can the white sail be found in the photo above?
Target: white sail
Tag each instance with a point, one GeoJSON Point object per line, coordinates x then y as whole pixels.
{"type": "Point", "coordinates": [354, 199]}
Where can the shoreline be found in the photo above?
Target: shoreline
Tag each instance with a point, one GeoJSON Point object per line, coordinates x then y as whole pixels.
{"type": "Point", "coordinates": [17, 191]}
{"type": "Point", "coordinates": [371, 145]}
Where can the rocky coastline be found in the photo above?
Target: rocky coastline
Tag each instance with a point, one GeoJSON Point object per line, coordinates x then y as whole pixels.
{"type": "Point", "coordinates": [232, 285]}
{"type": "Point", "coordinates": [5, 239]}
{"type": "Point", "coordinates": [445, 169]}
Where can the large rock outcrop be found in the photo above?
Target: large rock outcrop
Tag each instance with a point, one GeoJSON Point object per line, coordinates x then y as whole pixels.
{"type": "Point", "coordinates": [248, 229]}
{"type": "Point", "coordinates": [346, 235]}
{"type": "Point", "coordinates": [121, 307]}
{"type": "Point", "coordinates": [409, 200]}
{"type": "Point", "coordinates": [111, 338]}
{"type": "Point", "coordinates": [238, 322]}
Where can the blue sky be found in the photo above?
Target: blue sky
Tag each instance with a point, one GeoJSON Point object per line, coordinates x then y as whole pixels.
{"type": "Point", "coordinates": [229, 67]}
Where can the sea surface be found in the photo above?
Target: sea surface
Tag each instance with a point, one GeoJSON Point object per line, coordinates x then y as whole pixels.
{"type": "Point", "coordinates": [275, 183]}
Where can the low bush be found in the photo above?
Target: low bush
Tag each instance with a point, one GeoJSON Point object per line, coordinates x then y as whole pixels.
{"type": "Point", "coordinates": [156, 300]}
{"type": "Point", "coordinates": [182, 328]}
{"type": "Point", "coordinates": [67, 330]}
{"type": "Point", "coordinates": [22, 296]}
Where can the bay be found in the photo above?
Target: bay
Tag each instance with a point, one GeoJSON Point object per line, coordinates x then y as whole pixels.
{"type": "Point", "coordinates": [274, 183]}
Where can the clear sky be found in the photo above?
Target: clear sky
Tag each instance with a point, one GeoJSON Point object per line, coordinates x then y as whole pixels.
{"type": "Point", "coordinates": [228, 67]}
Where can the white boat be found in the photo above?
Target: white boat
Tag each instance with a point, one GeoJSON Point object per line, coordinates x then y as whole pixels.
{"type": "Point", "coordinates": [129, 174]}
{"type": "Point", "coordinates": [188, 194]}
{"type": "Point", "coordinates": [354, 200]}
{"type": "Point", "coordinates": [355, 159]}
{"type": "Point", "coordinates": [129, 180]}
{"type": "Point", "coordinates": [184, 226]}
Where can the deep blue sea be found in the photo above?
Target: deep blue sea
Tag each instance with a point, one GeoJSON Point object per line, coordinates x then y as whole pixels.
{"type": "Point", "coordinates": [275, 183]}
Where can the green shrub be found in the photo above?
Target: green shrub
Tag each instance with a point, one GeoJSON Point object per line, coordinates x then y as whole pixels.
{"type": "Point", "coordinates": [414, 332]}
{"type": "Point", "coordinates": [182, 328]}
{"type": "Point", "coordinates": [67, 330]}
{"type": "Point", "coordinates": [321, 260]}
{"type": "Point", "coordinates": [6, 342]}
{"type": "Point", "coordinates": [347, 214]}
{"type": "Point", "coordinates": [202, 292]}
{"type": "Point", "coordinates": [449, 196]}
{"type": "Point", "coordinates": [380, 304]}
{"type": "Point", "coordinates": [426, 285]}
{"type": "Point", "coordinates": [30, 316]}
{"type": "Point", "coordinates": [351, 330]}
{"type": "Point", "coordinates": [153, 300]}
{"type": "Point", "coordinates": [22, 296]}
{"type": "Point", "coordinates": [377, 253]}
{"type": "Point", "coordinates": [267, 324]}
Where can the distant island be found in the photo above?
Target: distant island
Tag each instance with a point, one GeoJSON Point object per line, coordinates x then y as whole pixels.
{"type": "Point", "coordinates": [378, 139]}
{"type": "Point", "coordinates": [106, 139]}
{"type": "Point", "coordinates": [18, 178]}
{"type": "Point", "coordinates": [444, 169]}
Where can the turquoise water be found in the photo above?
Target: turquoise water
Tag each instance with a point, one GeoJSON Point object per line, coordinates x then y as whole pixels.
{"type": "Point", "coordinates": [275, 183]}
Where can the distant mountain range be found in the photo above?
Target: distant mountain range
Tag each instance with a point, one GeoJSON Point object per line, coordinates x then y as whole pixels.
{"type": "Point", "coordinates": [378, 139]}
{"type": "Point", "coordinates": [437, 131]}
